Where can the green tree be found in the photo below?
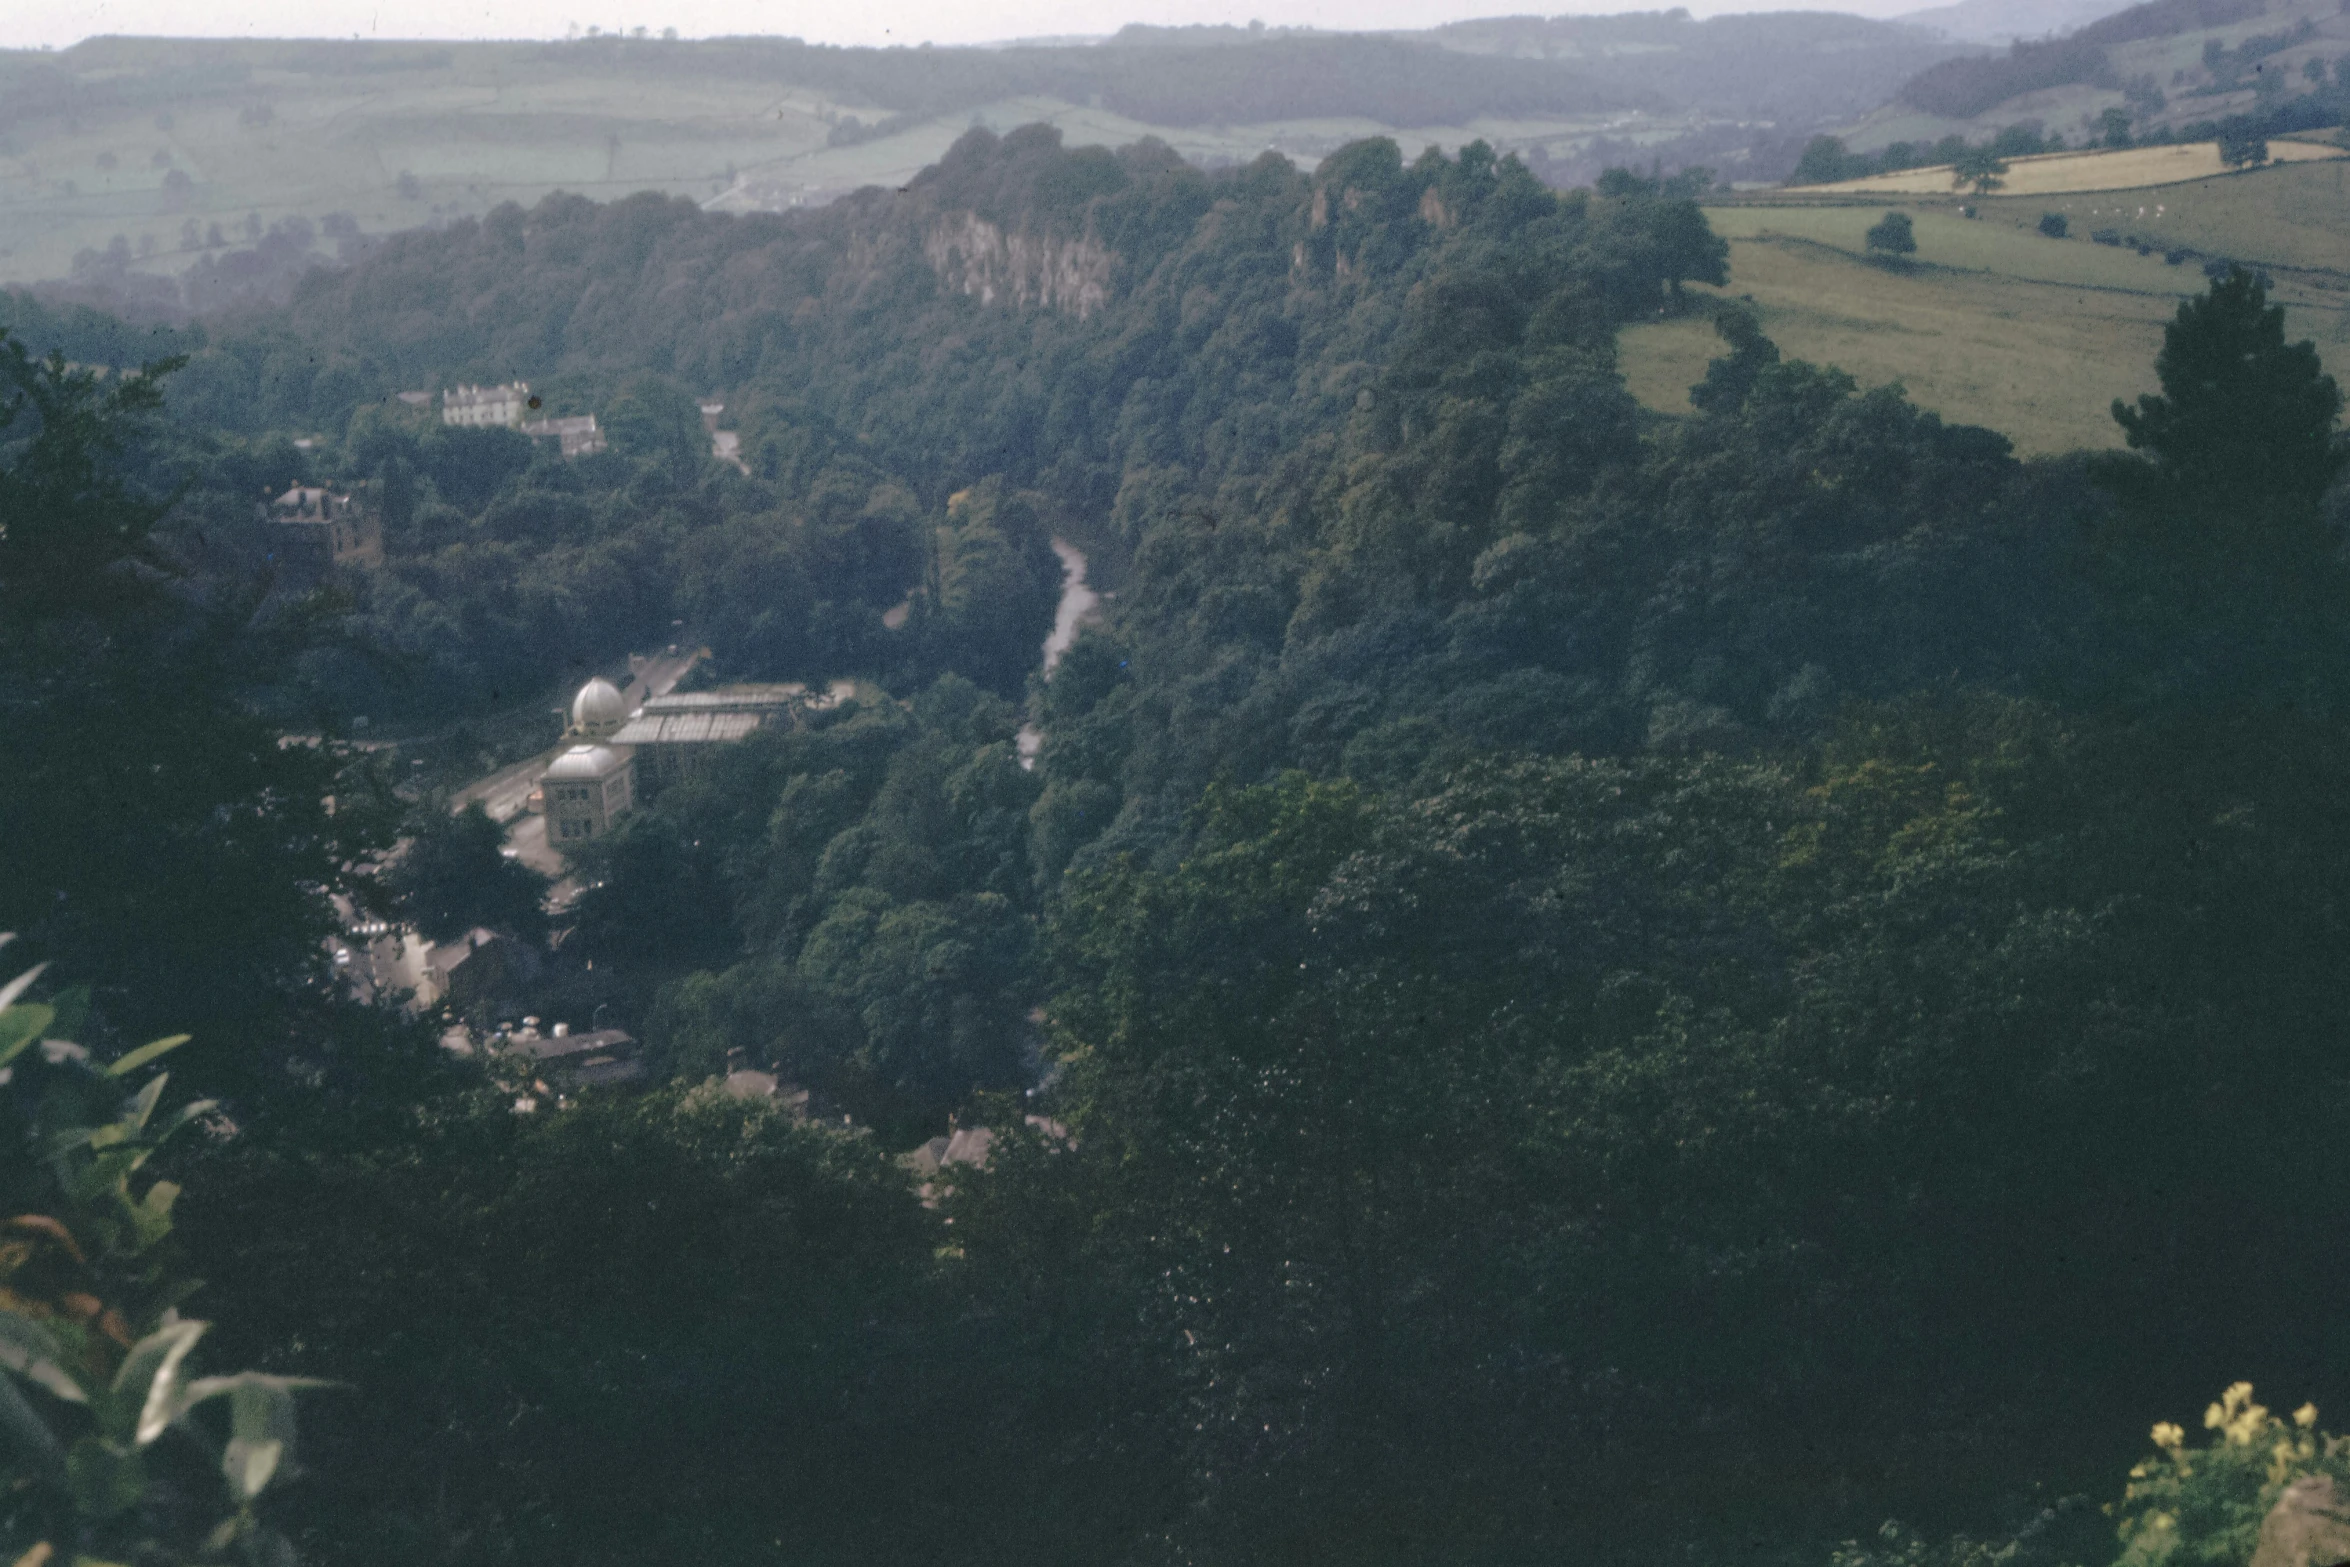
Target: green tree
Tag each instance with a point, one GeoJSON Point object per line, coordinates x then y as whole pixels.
{"type": "Point", "coordinates": [1981, 169]}
{"type": "Point", "coordinates": [2242, 143]}
{"type": "Point", "coordinates": [2113, 126]}
{"type": "Point", "coordinates": [2241, 441]}
{"type": "Point", "coordinates": [1893, 236]}
{"type": "Point", "coordinates": [453, 876]}
{"type": "Point", "coordinates": [652, 420]}
{"type": "Point", "coordinates": [1824, 162]}
{"type": "Point", "coordinates": [162, 839]}
{"type": "Point", "coordinates": [70, 519]}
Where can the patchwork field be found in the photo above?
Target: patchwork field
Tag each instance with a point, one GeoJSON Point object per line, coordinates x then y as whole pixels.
{"type": "Point", "coordinates": [2059, 173]}
{"type": "Point", "coordinates": [1992, 322]}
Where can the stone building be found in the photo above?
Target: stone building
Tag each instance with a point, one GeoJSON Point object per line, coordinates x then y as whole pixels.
{"type": "Point", "coordinates": [592, 784]}
{"type": "Point", "coordinates": [313, 530]}
{"type": "Point", "coordinates": [577, 437]}
{"type": "Point", "coordinates": [486, 406]}
{"type": "Point", "coordinates": [670, 734]}
{"type": "Point", "coordinates": [588, 788]}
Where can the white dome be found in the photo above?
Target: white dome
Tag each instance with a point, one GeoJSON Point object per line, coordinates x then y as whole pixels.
{"type": "Point", "coordinates": [599, 709]}
{"type": "Point", "coordinates": [585, 762]}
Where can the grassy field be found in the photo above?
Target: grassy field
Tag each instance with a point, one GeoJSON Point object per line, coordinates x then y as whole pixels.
{"type": "Point", "coordinates": [1992, 323]}
{"type": "Point", "coordinates": [2061, 173]}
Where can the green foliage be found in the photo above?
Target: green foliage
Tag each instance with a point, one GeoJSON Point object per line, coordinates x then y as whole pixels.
{"type": "Point", "coordinates": [1893, 235]}
{"type": "Point", "coordinates": [604, 1332]}
{"type": "Point", "coordinates": [653, 420]}
{"type": "Point", "coordinates": [71, 520]}
{"type": "Point", "coordinates": [1982, 169]}
{"type": "Point", "coordinates": [2055, 225]}
{"type": "Point", "coordinates": [2240, 444]}
{"type": "Point", "coordinates": [99, 1412]}
{"type": "Point", "coordinates": [452, 878]}
{"type": "Point", "coordinates": [2206, 1504]}
{"type": "Point", "coordinates": [2242, 143]}
{"type": "Point", "coordinates": [162, 840]}
{"type": "Point", "coordinates": [1605, 981]}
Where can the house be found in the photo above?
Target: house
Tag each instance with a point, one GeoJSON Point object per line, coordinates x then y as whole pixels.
{"type": "Point", "coordinates": [313, 530]}
{"type": "Point", "coordinates": [745, 1081]}
{"type": "Point", "coordinates": [483, 407]}
{"type": "Point", "coordinates": [481, 970]}
{"type": "Point", "coordinates": [564, 1062]}
{"type": "Point", "coordinates": [725, 445]}
{"type": "Point", "coordinates": [575, 437]}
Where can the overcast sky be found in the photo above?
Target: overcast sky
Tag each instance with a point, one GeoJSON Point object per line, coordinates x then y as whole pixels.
{"type": "Point", "coordinates": [31, 24]}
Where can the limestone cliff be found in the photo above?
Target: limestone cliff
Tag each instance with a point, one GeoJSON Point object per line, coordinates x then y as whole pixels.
{"type": "Point", "coordinates": [976, 257]}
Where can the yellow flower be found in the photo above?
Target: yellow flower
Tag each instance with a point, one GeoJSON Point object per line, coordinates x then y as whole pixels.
{"type": "Point", "coordinates": [2305, 1416]}
{"type": "Point", "coordinates": [2167, 1435]}
{"type": "Point", "coordinates": [2237, 1415]}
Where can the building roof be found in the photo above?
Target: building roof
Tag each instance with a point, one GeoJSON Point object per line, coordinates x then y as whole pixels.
{"type": "Point", "coordinates": [592, 1071]}
{"type": "Point", "coordinates": [587, 762]}
{"type": "Point", "coordinates": [463, 396]}
{"type": "Point", "coordinates": [729, 699]}
{"type": "Point", "coordinates": [599, 707]}
{"type": "Point", "coordinates": [686, 728]}
{"type": "Point", "coordinates": [556, 1047]}
{"type": "Point", "coordinates": [308, 502]}
{"type": "Point", "coordinates": [446, 957]}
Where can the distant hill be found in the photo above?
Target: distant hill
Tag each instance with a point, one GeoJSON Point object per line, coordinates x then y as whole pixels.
{"type": "Point", "coordinates": [1798, 65]}
{"type": "Point", "coordinates": [2004, 21]}
{"type": "Point", "coordinates": [2167, 63]}
{"type": "Point", "coordinates": [143, 168]}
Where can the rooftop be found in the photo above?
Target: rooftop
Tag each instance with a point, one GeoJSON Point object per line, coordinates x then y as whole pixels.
{"type": "Point", "coordinates": [686, 728]}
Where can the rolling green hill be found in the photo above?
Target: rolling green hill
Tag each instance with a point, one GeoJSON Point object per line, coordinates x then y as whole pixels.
{"type": "Point", "coordinates": [1994, 323]}
{"type": "Point", "coordinates": [2166, 63]}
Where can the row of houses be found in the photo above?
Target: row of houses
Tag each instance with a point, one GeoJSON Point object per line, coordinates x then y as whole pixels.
{"type": "Point", "coordinates": [511, 406]}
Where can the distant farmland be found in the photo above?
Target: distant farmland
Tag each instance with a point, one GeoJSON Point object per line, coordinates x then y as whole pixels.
{"type": "Point", "coordinates": [1994, 323]}
{"type": "Point", "coordinates": [2061, 173]}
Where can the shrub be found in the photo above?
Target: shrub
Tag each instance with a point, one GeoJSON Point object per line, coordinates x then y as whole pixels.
{"type": "Point", "coordinates": [1893, 235]}
{"type": "Point", "coordinates": [99, 1418]}
{"type": "Point", "coordinates": [2055, 224]}
{"type": "Point", "coordinates": [2206, 1504]}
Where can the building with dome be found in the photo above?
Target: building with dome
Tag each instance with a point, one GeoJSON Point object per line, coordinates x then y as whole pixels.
{"type": "Point", "coordinates": [613, 753]}
{"type": "Point", "coordinates": [588, 788]}
{"type": "Point", "coordinates": [592, 783]}
{"type": "Point", "coordinates": [599, 711]}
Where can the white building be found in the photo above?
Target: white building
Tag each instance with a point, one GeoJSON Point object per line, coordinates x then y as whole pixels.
{"type": "Point", "coordinates": [587, 789]}
{"type": "Point", "coordinates": [592, 784]}
{"type": "Point", "coordinates": [578, 436]}
{"type": "Point", "coordinates": [484, 406]}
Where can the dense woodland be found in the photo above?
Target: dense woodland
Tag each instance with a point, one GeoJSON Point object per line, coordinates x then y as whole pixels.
{"type": "Point", "coordinates": [1594, 986]}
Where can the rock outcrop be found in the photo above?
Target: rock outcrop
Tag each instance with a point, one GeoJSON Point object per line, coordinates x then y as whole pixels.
{"type": "Point", "coordinates": [976, 257]}
{"type": "Point", "coordinates": [2308, 1527]}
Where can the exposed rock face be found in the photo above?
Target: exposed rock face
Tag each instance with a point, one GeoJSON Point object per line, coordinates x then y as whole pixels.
{"type": "Point", "coordinates": [974, 256]}
{"type": "Point", "coordinates": [2309, 1527]}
